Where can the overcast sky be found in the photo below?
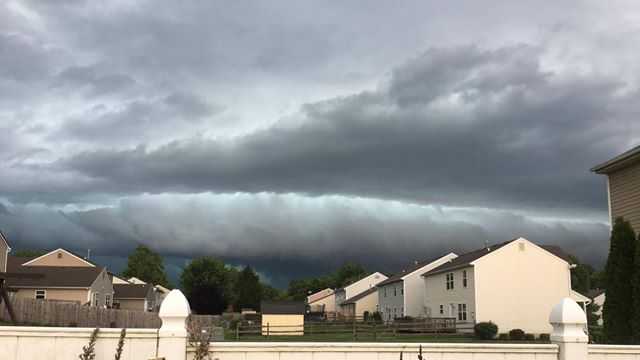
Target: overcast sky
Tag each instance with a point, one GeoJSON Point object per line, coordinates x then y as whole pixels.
{"type": "Point", "coordinates": [296, 135]}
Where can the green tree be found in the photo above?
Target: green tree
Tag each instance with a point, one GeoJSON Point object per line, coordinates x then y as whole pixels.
{"type": "Point", "coordinates": [206, 282]}
{"type": "Point", "coordinates": [348, 273]}
{"type": "Point", "coordinates": [147, 266]}
{"type": "Point", "coordinates": [619, 274]}
{"type": "Point", "coordinates": [28, 253]}
{"type": "Point", "coordinates": [248, 290]}
{"type": "Point", "coordinates": [271, 293]}
{"type": "Point", "coordinates": [581, 276]}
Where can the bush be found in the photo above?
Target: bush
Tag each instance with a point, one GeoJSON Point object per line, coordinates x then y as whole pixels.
{"type": "Point", "coordinates": [529, 337]}
{"type": "Point", "coordinates": [516, 334]}
{"type": "Point", "coordinates": [544, 337]}
{"type": "Point", "coordinates": [377, 317]}
{"type": "Point", "coordinates": [485, 330]}
{"type": "Point", "coordinates": [503, 336]}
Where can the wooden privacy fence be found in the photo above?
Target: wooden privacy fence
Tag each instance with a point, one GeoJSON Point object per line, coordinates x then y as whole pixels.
{"type": "Point", "coordinates": [354, 330]}
{"type": "Point", "coordinates": [71, 314]}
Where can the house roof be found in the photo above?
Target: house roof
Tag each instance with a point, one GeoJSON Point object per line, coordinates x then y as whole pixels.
{"type": "Point", "coordinates": [52, 276]}
{"type": "Point", "coordinates": [319, 295]}
{"type": "Point", "coordinates": [417, 265]}
{"type": "Point", "coordinates": [4, 239]}
{"type": "Point", "coordinates": [618, 162]}
{"type": "Point", "coordinates": [282, 307]}
{"type": "Point", "coordinates": [131, 291]}
{"type": "Point", "coordinates": [353, 299]}
{"type": "Point", "coordinates": [465, 260]}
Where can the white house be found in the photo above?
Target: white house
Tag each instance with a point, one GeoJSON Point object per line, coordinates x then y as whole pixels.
{"type": "Point", "coordinates": [403, 294]}
{"type": "Point", "coordinates": [513, 284]}
{"type": "Point", "coordinates": [354, 289]}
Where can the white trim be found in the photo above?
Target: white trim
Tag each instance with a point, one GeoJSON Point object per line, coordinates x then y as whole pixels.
{"type": "Point", "coordinates": [450, 256]}
{"type": "Point", "coordinates": [53, 251]}
{"type": "Point", "coordinates": [549, 253]}
{"type": "Point", "coordinates": [5, 241]}
{"type": "Point", "coordinates": [609, 202]}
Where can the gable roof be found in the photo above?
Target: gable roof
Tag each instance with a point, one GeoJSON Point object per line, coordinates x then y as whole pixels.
{"type": "Point", "coordinates": [51, 276]}
{"type": "Point", "coordinates": [411, 269]}
{"type": "Point", "coordinates": [131, 291]}
{"type": "Point", "coordinates": [319, 295]}
{"type": "Point", "coordinates": [78, 257]}
{"type": "Point", "coordinates": [282, 307]}
{"type": "Point", "coordinates": [465, 260]}
{"type": "Point", "coordinates": [4, 239]}
{"type": "Point", "coordinates": [618, 162]}
{"type": "Point", "coordinates": [353, 299]}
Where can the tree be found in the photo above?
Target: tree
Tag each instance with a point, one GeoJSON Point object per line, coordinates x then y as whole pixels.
{"type": "Point", "coordinates": [581, 276]}
{"type": "Point", "coordinates": [28, 253]}
{"type": "Point", "coordinates": [147, 266]}
{"type": "Point", "coordinates": [619, 274]}
{"type": "Point", "coordinates": [271, 293]}
{"type": "Point", "coordinates": [206, 282]}
{"type": "Point", "coordinates": [248, 290]}
{"type": "Point", "coordinates": [347, 274]}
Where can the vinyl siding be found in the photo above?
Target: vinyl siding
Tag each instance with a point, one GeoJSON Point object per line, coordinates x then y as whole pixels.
{"type": "Point", "coordinates": [436, 294]}
{"type": "Point", "coordinates": [103, 286]}
{"type": "Point", "coordinates": [3, 256]}
{"type": "Point", "coordinates": [75, 295]}
{"type": "Point", "coordinates": [390, 302]}
{"type": "Point", "coordinates": [624, 190]}
{"type": "Point", "coordinates": [59, 258]}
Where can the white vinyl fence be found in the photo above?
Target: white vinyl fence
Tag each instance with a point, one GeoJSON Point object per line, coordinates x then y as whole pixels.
{"type": "Point", "coordinates": [170, 342]}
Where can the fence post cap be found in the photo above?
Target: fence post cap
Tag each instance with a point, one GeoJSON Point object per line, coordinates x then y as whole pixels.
{"type": "Point", "coordinates": [174, 305]}
{"type": "Point", "coordinates": [567, 311]}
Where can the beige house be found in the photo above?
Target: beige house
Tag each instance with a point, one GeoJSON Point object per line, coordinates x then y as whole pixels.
{"type": "Point", "coordinates": [282, 318]}
{"type": "Point", "coordinates": [623, 177]}
{"type": "Point", "coordinates": [140, 297]}
{"type": "Point", "coordinates": [90, 285]}
{"type": "Point", "coordinates": [322, 301]}
{"type": "Point", "coordinates": [364, 303]}
{"type": "Point", "coordinates": [356, 288]}
{"type": "Point", "coordinates": [514, 284]}
{"type": "Point", "coordinates": [4, 252]}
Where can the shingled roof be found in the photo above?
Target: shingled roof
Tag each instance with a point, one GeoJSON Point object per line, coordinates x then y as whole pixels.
{"type": "Point", "coordinates": [414, 267]}
{"type": "Point", "coordinates": [51, 276]}
{"type": "Point", "coordinates": [131, 291]}
{"type": "Point", "coordinates": [465, 260]}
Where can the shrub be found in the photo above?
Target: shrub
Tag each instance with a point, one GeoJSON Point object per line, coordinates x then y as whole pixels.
{"type": "Point", "coordinates": [544, 337]}
{"type": "Point", "coordinates": [529, 337]}
{"type": "Point", "coordinates": [485, 330]}
{"type": "Point", "coordinates": [503, 336]}
{"type": "Point", "coordinates": [377, 317]}
{"type": "Point", "coordinates": [516, 334]}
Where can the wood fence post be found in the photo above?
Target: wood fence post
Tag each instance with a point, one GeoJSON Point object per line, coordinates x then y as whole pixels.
{"type": "Point", "coordinates": [355, 334]}
{"type": "Point", "coordinates": [238, 330]}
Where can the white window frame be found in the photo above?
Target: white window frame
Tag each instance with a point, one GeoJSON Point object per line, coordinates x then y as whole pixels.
{"type": "Point", "coordinates": [441, 309]}
{"type": "Point", "coordinates": [450, 282]}
{"type": "Point", "coordinates": [462, 312]}
{"type": "Point", "coordinates": [108, 300]}
{"type": "Point", "coordinates": [464, 278]}
{"type": "Point", "coordinates": [43, 292]}
{"type": "Point", "coordinates": [94, 300]}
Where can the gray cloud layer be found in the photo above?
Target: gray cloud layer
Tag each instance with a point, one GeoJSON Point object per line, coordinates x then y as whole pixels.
{"type": "Point", "coordinates": [288, 133]}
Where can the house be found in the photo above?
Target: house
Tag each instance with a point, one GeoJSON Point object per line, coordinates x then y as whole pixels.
{"type": "Point", "coordinates": [115, 279]}
{"type": "Point", "coordinates": [623, 177]}
{"type": "Point", "coordinates": [323, 301]}
{"type": "Point", "coordinates": [348, 293]}
{"type": "Point", "coordinates": [90, 285]}
{"type": "Point", "coordinates": [282, 317]}
{"type": "Point", "coordinates": [361, 304]}
{"type": "Point", "coordinates": [403, 294]}
{"type": "Point", "coordinates": [514, 284]}
{"type": "Point", "coordinates": [4, 252]}
{"type": "Point", "coordinates": [598, 296]}
{"type": "Point", "coordinates": [140, 297]}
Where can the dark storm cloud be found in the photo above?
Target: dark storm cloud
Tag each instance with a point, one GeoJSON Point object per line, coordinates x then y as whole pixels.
{"type": "Point", "coordinates": [490, 129]}
{"type": "Point", "coordinates": [267, 229]}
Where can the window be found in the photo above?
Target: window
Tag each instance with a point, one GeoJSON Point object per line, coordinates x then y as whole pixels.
{"type": "Point", "coordinates": [441, 309]}
{"type": "Point", "coordinates": [95, 299]}
{"type": "Point", "coordinates": [395, 291]}
{"type": "Point", "coordinates": [464, 278]}
{"type": "Point", "coordinates": [462, 312]}
{"type": "Point", "coordinates": [107, 300]}
{"type": "Point", "coordinates": [41, 294]}
{"type": "Point", "coordinates": [450, 281]}
{"type": "Point", "coordinates": [402, 290]}
{"type": "Point", "coordinates": [385, 292]}
{"type": "Point", "coordinates": [402, 311]}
